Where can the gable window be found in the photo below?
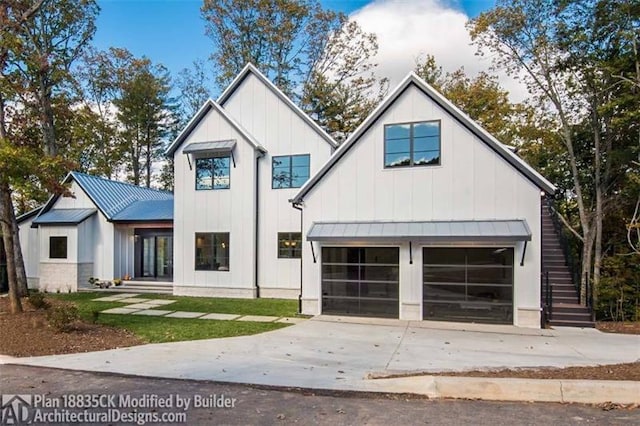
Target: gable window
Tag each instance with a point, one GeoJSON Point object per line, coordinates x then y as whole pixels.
{"type": "Point", "coordinates": [289, 245]}
{"type": "Point", "coordinates": [290, 171]}
{"type": "Point", "coordinates": [212, 251]}
{"type": "Point", "coordinates": [412, 144]}
{"type": "Point", "coordinates": [57, 247]}
{"type": "Point", "coordinates": [212, 173]}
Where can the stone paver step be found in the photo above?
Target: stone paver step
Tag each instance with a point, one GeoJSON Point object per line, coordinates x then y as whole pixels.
{"type": "Point", "coordinates": [141, 306]}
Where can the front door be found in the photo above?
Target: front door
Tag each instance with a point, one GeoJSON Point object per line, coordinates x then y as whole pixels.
{"type": "Point", "coordinates": [154, 255]}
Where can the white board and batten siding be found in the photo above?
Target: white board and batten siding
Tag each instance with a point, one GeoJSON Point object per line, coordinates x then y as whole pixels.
{"type": "Point", "coordinates": [222, 210]}
{"type": "Point", "coordinates": [30, 245]}
{"type": "Point", "coordinates": [272, 122]}
{"type": "Point", "coordinates": [97, 233]}
{"type": "Point", "coordinates": [472, 183]}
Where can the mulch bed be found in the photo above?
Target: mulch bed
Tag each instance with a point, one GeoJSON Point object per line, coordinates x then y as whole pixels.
{"type": "Point", "coordinates": [29, 334]}
{"type": "Point", "coordinates": [629, 371]}
{"type": "Point", "coordinates": [626, 327]}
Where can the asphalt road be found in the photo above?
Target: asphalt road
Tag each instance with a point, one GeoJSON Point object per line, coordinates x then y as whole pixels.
{"type": "Point", "coordinates": [267, 406]}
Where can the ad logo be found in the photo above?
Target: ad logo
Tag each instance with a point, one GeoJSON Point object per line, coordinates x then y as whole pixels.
{"type": "Point", "coordinates": [15, 409]}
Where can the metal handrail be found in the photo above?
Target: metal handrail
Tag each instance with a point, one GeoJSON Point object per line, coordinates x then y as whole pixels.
{"type": "Point", "coordinates": [547, 302]}
{"type": "Point", "coordinates": [574, 264]}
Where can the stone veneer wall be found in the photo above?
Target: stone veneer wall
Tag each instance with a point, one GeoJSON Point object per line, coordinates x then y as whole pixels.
{"type": "Point", "coordinates": [63, 277]}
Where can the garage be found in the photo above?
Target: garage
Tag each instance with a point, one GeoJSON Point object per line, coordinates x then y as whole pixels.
{"type": "Point", "coordinates": [360, 281]}
{"type": "Point", "coordinates": [468, 284]}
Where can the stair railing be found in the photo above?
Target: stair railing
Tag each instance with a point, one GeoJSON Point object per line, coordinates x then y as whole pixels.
{"type": "Point", "coordinates": [572, 261]}
{"type": "Point", "coordinates": [547, 299]}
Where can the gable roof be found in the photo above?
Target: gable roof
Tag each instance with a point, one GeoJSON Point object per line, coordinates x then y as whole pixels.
{"type": "Point", "coordinates": [413, 80]}
{"type": "Point", "coordinates": [112, 197]}
{"type": "Point", "coordinates": [28, 215]}
{"type": "Point", "coordinates": [200, 115]}
{"type": "Point", "coordinates": [146, 211]}
{"type": "Point", "coordinates": [64, 217]}
{"type": "Point", "coordinates": [251, 69]}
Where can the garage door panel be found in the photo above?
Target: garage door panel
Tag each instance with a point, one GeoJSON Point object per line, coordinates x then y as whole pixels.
{"type": "Point", "coordinates": [360, 281]}
{"type": "Point", "coordinates": [468, 284]}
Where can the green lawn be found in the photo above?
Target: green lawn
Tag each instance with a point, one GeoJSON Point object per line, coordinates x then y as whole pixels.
{"type": "Point", "coordinates": [160, 329]}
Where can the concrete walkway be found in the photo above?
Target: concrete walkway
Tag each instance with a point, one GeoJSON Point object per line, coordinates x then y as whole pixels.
{"type": "Point", "coordinates": [136, 305]}
{"type": "Point", "coordinates": [345, 354]}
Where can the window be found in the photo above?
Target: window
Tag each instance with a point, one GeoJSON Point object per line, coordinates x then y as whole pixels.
{"type": "Point", "coordinates": [412, 144]}
{"type": "Point", "coordinates": [57, 247]}
{"type": "Point", "coordinates": [290, 171]}
{"type": "Point", "coordinates": [212, 251]}
{"type": "Point", "coordinates": [289, 245]}
{"type": "Point", "coordinates": [212, 173]}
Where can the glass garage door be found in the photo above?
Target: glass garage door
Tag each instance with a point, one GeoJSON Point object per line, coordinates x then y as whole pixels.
{"type": "Point", "coordinates": [360, 281]}
{"type": "Point", "coordinates": [468, 284]}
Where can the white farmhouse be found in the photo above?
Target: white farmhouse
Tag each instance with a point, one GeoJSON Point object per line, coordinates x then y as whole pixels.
{"type": "Point", "coordinates": [419, 215]}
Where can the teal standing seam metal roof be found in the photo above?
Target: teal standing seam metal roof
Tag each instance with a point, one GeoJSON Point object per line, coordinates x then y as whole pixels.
{"type": "Point", "coordinates": [64, 217]}
{"type": "Point", "coordinates": [119, 201]}
{"type": "Point", "coordinates": [146, 211]}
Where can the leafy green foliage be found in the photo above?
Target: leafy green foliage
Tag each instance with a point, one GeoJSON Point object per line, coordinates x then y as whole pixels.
{"type": "Point", "coordinates": [63, 317]}
{"type": "Point", "coordinates": [313, 55]}
{"type": "Point", "coordinates": [38, 300]}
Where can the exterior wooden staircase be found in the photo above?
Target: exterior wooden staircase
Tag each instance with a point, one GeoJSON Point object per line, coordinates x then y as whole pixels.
{"type": "Point", "coordinates": [564, 301]}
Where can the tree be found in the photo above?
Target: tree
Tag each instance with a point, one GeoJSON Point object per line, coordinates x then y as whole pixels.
{"type": "Point", "coordinates": [313, 55]}
{"type": "Point", "coordinates": [146, 113]}
{"type": "Point", "coordinates": [192, 84]}
{"type": "Point", "coordinates": [567, 51]}
{"type": "Point", "coordinates": [38, 44]}
{"type": "Point", "coordinates": [95, 124]}
{"type": "Point", "coordinates": [481, 98]}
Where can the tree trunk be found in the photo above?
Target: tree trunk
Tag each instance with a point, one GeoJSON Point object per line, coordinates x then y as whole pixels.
{"type": "Point", "coordinates": [46, 117]}
{"type": "Point", "coordinates": [21, 273]}
{"type": "Point", "coordinates": [599, 217]}
{"type": "Point", "coordinates": [7, 234]}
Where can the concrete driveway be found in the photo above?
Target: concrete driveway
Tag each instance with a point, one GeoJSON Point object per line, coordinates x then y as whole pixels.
{"type": "Point", "coordinates": [342, 353]}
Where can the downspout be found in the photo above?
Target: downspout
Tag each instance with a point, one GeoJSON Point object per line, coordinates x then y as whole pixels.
{"type": "Point", "coordinates": [297, 207]}
{"type": "Point", "coordinates": [257, 224]}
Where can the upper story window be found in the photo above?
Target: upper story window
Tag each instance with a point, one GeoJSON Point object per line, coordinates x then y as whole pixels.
{"type": "Point", "coordinates": [412, 144]}
{"type": "Point", "coordinates": [57, 247]}
{"type": "Point", "coordinates": [290, 171]}
{"type": "Point", "coordinates": [213, 173]}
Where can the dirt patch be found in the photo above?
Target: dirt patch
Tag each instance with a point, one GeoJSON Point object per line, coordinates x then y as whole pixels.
{"type": "Point", "coordinates": [29, 334]}
{"type": "Point", "coordinates": [626, 327]}
{"type": "Point", "coordinates": [629, 371]}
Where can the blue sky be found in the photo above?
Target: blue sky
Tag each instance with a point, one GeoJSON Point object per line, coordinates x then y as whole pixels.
{"type": "Point", "coordinates": [171, 32]}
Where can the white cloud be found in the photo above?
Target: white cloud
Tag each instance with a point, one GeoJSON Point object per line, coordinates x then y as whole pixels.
{"type": "Point", "coordinates": [407, 29]}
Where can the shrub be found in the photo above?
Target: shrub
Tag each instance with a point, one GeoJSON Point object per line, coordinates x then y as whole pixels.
{"type": "Point", "coordinates": [39, 301]}
{"type": "Point", "coordinates": [63, 317]}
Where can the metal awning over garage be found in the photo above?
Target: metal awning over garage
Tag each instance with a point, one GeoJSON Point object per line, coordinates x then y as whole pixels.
{"type": "Point", "coordinates": [432, 231]}
{"type": "Point", "coordinates": [63, 217]}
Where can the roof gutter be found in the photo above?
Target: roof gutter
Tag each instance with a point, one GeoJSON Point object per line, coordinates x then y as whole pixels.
{"type": "Point", "coordinates": [298, 206]}
{"type": "Point", "coordinates": [259, 155]}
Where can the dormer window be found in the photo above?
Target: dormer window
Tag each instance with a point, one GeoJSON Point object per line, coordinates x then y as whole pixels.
{"type": "Point", "coordinates": [213, 173]}
{"type": "Point", "coordinates": [412, 144]}
{"type": "Point", "coordinates": [290, 171]}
